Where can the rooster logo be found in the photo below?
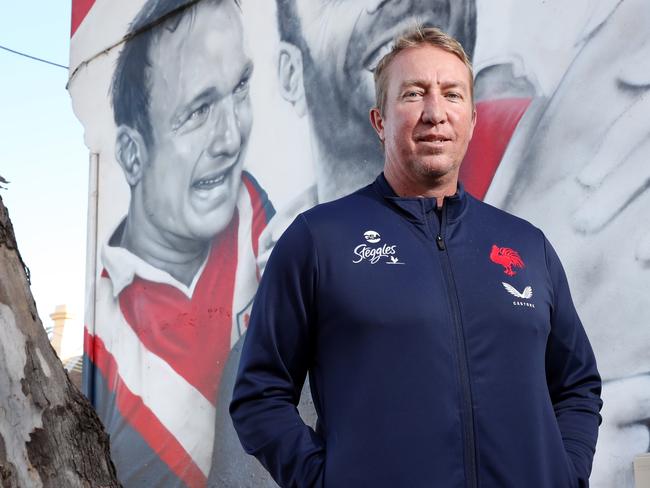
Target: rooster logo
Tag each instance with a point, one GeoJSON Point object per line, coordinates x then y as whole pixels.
{"type": "Point", "coordinates": [506, 257]}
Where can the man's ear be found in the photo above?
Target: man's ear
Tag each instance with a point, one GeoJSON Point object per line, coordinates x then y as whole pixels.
{"type": "Point", "coordinates": [131, 153]}
{"type": "Point", "coordinates": [377, 122]}
{"type": "Point", "coordinates": [474, 119]}
{"type": "Point", "coordinates": [290, 75]}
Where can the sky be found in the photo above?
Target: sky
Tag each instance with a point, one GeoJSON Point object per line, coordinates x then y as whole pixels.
{"type": "Point", "coordinates": [42, 154]}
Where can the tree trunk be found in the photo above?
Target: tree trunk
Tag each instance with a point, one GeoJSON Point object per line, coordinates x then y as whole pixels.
{"type": "Point", "coordinates": [50, 435]}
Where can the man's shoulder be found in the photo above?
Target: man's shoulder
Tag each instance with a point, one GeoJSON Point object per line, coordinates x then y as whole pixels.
{"type": "Point", "coordinates": [496, 216]}
{"type": "Point", "coordinates": [346, 207]}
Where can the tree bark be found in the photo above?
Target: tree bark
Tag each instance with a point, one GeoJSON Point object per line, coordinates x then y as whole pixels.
{"type": "Point", "coordinates": [50, 436]}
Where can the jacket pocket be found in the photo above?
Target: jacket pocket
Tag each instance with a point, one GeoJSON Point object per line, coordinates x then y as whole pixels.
{"type": "Point", "coordinates": [573, 480]}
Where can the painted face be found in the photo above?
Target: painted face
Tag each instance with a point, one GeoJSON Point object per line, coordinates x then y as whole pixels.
{"type": "Point", "coordinates": [346, 39]}
{"type": "Point", "coordinates": [201, 119]}
{"type": "Point", "coordinates": [429, 115]}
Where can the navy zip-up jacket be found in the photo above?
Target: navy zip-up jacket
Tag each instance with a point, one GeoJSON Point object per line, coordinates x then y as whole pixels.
{"type": "Point", "coordinates": [442, 351]}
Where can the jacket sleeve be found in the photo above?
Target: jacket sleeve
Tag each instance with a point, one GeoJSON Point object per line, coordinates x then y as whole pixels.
{"type": "Point", "coordinates": [573, 380]}
{"type": "Point", "coordinates": [274, 362]}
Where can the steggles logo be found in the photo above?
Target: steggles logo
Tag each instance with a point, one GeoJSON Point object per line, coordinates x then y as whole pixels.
{"type": "Point", "coordinates": [373, 254]}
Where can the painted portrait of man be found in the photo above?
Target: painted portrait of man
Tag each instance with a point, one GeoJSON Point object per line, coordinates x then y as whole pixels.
{"type": "Point", "coordinates": [179, 271]}
{"type": "Point", "coordinates": [327, 55]}
{"type": "Point", "coordinates": [326, 60]}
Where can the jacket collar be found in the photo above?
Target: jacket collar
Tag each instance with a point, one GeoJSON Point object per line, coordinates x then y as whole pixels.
{"type": "Point", "coordinates": [417, 208]}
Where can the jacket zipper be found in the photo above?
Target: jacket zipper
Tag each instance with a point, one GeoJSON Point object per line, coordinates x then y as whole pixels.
{"type": "Point", "coordinates": [466, 391]}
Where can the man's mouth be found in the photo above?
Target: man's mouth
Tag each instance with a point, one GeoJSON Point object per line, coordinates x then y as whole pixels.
{"type": "Point", "coordinates": [434, 138]}
{"type": "Point", "coordinates": [212, 180]}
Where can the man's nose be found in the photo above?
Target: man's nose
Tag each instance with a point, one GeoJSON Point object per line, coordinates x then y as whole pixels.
{"type": "Point", "coordinates": [225, 137]}
{"type": "Point", "coordinates": [433, 110]}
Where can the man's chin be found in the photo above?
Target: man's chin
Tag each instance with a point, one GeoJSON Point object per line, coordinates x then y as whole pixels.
{"type": "Point", "coordinates": [206, 225]}
{"type": "Point", "coordinates": [436, 168]}
{"type": "Point", "coordinates": [207, 235]}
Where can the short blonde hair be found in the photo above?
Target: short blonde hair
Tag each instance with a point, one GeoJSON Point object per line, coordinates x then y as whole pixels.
{"type": "Point", "coordinates": [415, 37]}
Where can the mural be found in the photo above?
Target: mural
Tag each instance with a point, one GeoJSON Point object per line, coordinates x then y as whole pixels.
{"type": "Point", "coordinates": [199, 114]}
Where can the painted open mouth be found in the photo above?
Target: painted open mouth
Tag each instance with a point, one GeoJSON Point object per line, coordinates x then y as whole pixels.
{"type": "Point", "coordinates": [212, 180]}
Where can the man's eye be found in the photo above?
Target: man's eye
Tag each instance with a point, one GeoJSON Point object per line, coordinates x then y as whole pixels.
{"type": "Point", "coordinates": [241, 90]}
{"type": "Point", "coordinates": [411, 94]}
{"type": "Point", "coordinates": [196, 118]}
{"type": "Point", "coordinates": [454, 95]}
{"type": "Point", "coordinates": [199, 112]}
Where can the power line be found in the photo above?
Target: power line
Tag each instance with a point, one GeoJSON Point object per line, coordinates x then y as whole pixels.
{"type": "Point", "coordinates": [33, 57]}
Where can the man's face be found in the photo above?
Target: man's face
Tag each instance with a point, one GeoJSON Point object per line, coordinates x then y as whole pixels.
{"type": "Point", "coordinates": [429, 116]}
{"type": "Point", "coordinates": [201, 119]}
{"type": "Point", "coordinates": [346, 39]}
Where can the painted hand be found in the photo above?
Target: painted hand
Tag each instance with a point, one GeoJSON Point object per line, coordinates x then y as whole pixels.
{"type": "Point", "coordinates": [624, 431]}
{"type": "Point", "coordinates": [624, 151]}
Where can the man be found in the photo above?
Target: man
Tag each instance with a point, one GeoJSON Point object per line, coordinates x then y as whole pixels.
{"type": "Point", "coordinates": [509, 104]}
{"type": "Point", "coordinates": [439, 335]}
{"type": "Point", "coordinates": [179, 271]}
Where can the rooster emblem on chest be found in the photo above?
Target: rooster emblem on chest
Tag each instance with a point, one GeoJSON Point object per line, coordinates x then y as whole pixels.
{"type": "Point", "coordinates": [506, 257]}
